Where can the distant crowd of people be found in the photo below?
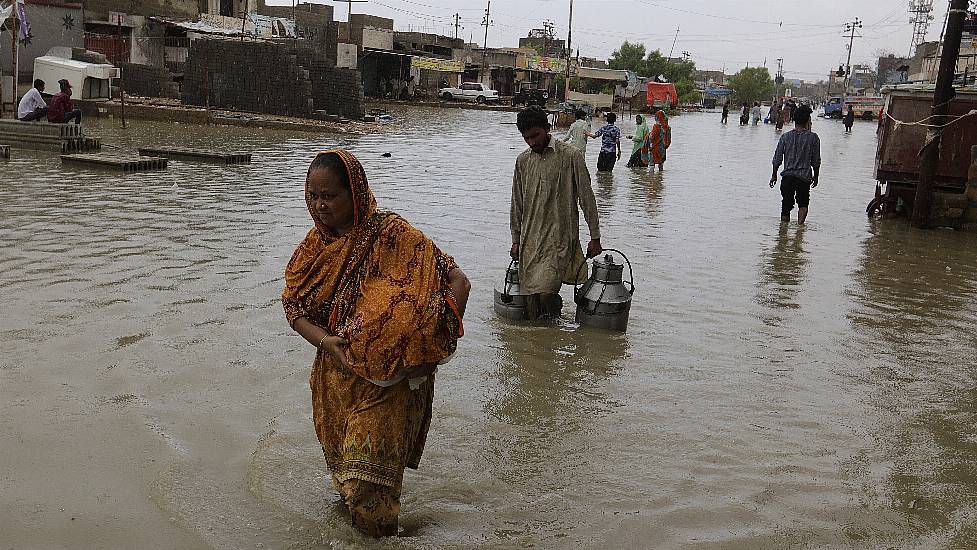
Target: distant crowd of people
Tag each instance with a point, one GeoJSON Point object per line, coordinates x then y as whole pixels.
{"type": "Point", "coordinates": [649, 144]}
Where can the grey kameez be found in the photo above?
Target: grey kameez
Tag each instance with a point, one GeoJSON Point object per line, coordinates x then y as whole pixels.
{"type": "Point", "coordinates": [546, 189]}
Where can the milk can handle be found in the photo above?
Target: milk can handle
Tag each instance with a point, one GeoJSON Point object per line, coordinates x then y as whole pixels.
{"type": "Point", "coordinates": [506, 285]}
{"type": "Point", "coordinates": [576, 286]}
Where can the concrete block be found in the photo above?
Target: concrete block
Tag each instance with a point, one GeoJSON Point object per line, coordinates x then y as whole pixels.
{"type": "Point", "coordinates": [954, 213]}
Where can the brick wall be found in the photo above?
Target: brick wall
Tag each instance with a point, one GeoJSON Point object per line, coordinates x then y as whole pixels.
{"type": "Point", "coordinates": [98, 10]}
{"type": "Point", "coordinates": [270, 78]}
{"type": "Point", "coordinates": [316, 29]}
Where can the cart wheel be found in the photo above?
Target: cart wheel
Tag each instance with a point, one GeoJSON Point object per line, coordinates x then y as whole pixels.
{"type": "Point", "coordinates": [876, 208]}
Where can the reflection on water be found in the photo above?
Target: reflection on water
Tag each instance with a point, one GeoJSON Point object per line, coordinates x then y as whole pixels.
{"type": "Point", "coordinates": [778, 387]}
{"type": "Point", "coordinates": [782, 277]}
{"type": "Point", "coordinates": [916, 303]}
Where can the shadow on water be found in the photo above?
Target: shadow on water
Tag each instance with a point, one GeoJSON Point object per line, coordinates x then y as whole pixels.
{"type": "Point", "coordinates": [915, 299]}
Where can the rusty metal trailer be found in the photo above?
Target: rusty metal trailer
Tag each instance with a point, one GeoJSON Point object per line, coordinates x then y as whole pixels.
{"type": "Point", "coordinates": [902, 135]}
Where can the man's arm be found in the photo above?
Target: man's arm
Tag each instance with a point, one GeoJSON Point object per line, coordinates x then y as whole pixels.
{"type": "Point", "coordinates": [515, 212]}
{"type": "Point", "coordinates": [587, 202]}
{"type": "Point", "coordinates": [816, 159]}
{"type": "Point", "coordinates": [778, 159]}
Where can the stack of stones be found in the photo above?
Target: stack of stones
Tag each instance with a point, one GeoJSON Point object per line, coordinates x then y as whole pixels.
{"type": "Point", "coordinates": [265, 77]}
{"type": "Point", "coordinates": [43, 136]}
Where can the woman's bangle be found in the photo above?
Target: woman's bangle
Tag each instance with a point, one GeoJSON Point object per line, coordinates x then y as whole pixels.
{"type": "Point", "coordinates": [324, 336]}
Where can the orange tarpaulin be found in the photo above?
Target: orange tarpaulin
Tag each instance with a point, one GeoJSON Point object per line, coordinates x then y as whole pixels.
{"type": "Point", "coordinates": [662, 94]}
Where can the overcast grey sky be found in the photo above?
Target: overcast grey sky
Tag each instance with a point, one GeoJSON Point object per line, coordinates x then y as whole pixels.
{"type": "Point", "coordinates": [716, 32]}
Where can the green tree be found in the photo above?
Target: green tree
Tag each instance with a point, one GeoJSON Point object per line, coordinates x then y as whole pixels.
{"type": "Point", "coordinates": [629, 57]}
{"type": "Point", "coordinates": [657, 65]}
{"type": "Point", "coordinates": [752, 84]}
{"type": "Point", "coordinates": [687, 92]}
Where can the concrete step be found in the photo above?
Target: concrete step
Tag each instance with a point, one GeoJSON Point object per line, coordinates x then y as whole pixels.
{"type": "Point", "coordinates": [123, 162]}
{"type": "Point", "coordinates": [184, 153]}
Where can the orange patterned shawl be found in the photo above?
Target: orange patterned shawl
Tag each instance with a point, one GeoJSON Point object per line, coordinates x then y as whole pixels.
{"type": "Point", "coordinates": [383, 287]}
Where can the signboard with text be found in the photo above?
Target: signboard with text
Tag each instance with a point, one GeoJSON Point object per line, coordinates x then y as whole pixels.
{"type": "Point", "coordinates": [435, 64]}
{"type": "Point", "coordinates": [546, 64]}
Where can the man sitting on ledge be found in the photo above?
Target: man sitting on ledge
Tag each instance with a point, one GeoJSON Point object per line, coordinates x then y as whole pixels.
{"type": "Point", "coordinates": [62, 110]}
{"type": "Point", "coordinates": [32, 106]}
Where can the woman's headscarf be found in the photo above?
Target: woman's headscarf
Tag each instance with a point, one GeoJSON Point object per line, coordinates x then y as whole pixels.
{"type": "Point", "coordinates": [364, 203]}
{"type": "Point", "coordinates": [382, 286]}
{"type": "Point", "coordinates": [642, 129]}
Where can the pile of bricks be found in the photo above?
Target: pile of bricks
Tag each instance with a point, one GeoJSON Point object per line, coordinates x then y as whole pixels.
{"type": "Point", "coordinates": [149, 81]}
{"type": "Point", "coordinates": [265, 77]}
{"type": "Point", "coordinates": [334, 90]}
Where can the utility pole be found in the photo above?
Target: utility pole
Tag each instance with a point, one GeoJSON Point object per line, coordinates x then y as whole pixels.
{"type": "Point", "coordinates": [930, 154]}
{"type": "Point", "coordinates": [849, 27]}
{"type": "Point", "coordinates": [486, 22]}
{"type": "Point", "coordinates": [457, 25]}
{"type": "Point", "coordinates": [673, 43]}
{"type": "Point", "coordinates": [780, 78]}
{"type": "Point", "coordinates": [566, 84]}
{"type": "Point", "coordinates": [14, 31]}
{"type": "Point", "coordinates": [118, 61]}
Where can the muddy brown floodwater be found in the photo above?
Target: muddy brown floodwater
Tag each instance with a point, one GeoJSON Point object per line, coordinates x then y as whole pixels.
{"type": "Point", "coordinates": [780, 387]}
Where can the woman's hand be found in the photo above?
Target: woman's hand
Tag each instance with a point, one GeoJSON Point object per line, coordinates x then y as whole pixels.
{"type": "Point", "coordinates": [420, 370]}
{"type": "Point", "coordinates": [319, 338]}
{"type": "Point", "coordinates": [336, 348]}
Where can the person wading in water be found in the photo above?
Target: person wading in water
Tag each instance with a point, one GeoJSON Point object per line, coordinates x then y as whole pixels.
{"type": "Point", "coordinates": [550, 181]}
{"type": "Point", "coordinates": [382, 306]}
{"type": "Point", "coordinates": [799, 151]}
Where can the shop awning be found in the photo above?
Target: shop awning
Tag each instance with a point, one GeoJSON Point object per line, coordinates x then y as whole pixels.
{"type": "Point", "coordinates": [602, 74]}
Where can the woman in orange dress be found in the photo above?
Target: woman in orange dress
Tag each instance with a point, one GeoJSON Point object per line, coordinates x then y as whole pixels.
{"type": "Point", "coordinates": [661, 139]}
{"type": "Point", "coordinates": [383, 306]}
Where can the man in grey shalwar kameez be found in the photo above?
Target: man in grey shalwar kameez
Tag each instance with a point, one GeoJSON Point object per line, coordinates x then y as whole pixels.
{"type": "Point", "coordinates": [550, 180]}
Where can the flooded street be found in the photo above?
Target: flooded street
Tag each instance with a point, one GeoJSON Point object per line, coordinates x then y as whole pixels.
{"type": "Point", "coordinates": [779, 387]}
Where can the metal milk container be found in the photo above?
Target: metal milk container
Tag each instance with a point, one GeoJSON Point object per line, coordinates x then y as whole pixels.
{"type": "Point", "coordinates": [604, 301]}
{"type": "Point", "coordinates": [510, 301]}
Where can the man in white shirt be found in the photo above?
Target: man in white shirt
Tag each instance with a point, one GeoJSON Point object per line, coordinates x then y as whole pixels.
{"type": "Point", "coordinates": [579, 132]}
{"type": "Point", "coordinates": [32, 105]}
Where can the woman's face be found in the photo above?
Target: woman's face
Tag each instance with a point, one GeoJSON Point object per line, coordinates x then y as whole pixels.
{"type": "Point", "coordinates": [331, 201]}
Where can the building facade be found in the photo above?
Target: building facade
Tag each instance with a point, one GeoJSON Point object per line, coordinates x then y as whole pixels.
{"type": "Point", "coordinates": [51, 24]}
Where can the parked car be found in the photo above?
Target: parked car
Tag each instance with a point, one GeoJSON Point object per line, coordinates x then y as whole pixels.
{"type": "Point", "coordinates": [470, 91]}
{"type": "Point", "coordinates": [529, 94]}
{"type": "Point", "coordinates": [865, 107]}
